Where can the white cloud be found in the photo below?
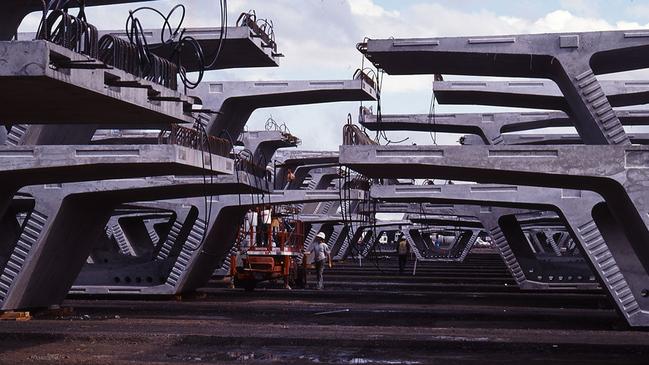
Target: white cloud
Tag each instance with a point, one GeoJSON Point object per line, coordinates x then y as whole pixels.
{"type": "Point", "coordinates": [369, 8]}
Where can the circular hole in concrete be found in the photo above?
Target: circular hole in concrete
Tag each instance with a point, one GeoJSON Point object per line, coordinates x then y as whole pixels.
{"type": "Point", "coordinates": [149, 279]}
{"type": "Point", "coordinates": [127, 279]}
{"type": "Point", "coordinates": [116, 279]}
{"type": "Point", "coordinates": [138, 279]}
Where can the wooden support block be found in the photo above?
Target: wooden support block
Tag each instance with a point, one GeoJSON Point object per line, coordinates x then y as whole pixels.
{"type": "Point", "coordinates": [15, 316]}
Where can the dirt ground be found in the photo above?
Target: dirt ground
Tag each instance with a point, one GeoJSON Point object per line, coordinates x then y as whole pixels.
{"type": "Point", "coordinates": [444, 315]}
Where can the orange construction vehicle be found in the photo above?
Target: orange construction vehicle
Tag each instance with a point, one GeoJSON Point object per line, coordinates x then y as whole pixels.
{"type": "Point", "coordinates": [274, 260]}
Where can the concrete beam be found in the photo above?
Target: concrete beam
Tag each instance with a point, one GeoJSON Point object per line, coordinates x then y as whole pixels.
{"type": "Point", "coordinates": [236, 100]}
{"type": "Point", "coordinates": [264, 144]}
{"type": "Point", "coordinates": [535, 94]}
{"type": "Point", "coordinates": [569, 59]}
{"type": "Point", "coordinates": [546, 139]}
{"type": "Point", "coordinates": [618, 173]}
{"type": "Point", "coordinates": [29, 165]}
{"type": "Point", "coordinates": [241, 48]}
{"type": "Point", "coordinates": [31, 70]}
{"type": "Point", "coordinates": [488, 126]}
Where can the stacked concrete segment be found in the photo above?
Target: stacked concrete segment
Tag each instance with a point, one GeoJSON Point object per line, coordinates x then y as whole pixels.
{"type": "Point", "coordinates": [611, 228]}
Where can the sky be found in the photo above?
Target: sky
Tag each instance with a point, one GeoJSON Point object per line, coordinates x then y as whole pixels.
{"type": "Point", "coordinates": [319, 37]}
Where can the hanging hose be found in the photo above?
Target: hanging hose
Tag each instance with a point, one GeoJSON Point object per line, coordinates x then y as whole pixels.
{"type": "Point", "coordinates": [66, 30]}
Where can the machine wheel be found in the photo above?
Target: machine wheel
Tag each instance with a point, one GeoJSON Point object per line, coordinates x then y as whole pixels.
{"type": "Point", "coordinates": [249, 285]}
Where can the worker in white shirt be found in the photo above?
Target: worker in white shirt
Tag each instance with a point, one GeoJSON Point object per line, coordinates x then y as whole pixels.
{"type": "Point", "coordinates": [321, 252]}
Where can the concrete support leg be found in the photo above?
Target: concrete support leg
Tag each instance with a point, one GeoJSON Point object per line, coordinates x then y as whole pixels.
{"type": "Point", "coordinates": [588, 103]}
{"type": "Point", "coordinates": [50, 251]}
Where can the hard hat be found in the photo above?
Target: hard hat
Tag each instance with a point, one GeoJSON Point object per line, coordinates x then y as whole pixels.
{"type": "Point", "coordinates": [321, 235]}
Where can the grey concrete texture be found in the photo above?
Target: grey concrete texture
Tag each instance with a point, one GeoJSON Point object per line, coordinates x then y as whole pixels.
{"type": "Point", "coordinates": [529, 272]}
{"type": "Point", "coordinates": [546, 139]}
{"type": "Point", "coordinates": [569, 59]}
{"type": "Point", "coordinates": [241, 48]}
{"type": "Point", "coordinates": [264, 144]}
{"type": "Point", "coordinates": [29, 165]}
{"type": "Point", "coordinates": [193, 266]}
{"type": "Point", "coordinates": [57, 213]}
{"type": "Point", "coordinates": [617, 173]}
{"type": "Point", "coordinates": [65, 93]}
{"type": "Point", "coordinates": [536, 94]}
{"type": "Point", "coordinates": [236, 100]}
{"type": "Point", "coordinates": [488, 126]}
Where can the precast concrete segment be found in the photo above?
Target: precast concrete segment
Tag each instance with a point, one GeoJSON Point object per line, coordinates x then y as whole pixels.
{"type": "Point", "coordinates": [508, 237]}
{"type": "Point", "coordinates": [321, 179]}
{"type": "Point", "coordinates": [139, 231]}
{"type": "Point", "coordinates": [418, 212]}
{"type": "Point", "coordinates": [427, 209]}
{"type": "Point", "coordinates": [536, 94]}
{"type": "Point", "coordinates": [29, 165]}
{"type": "Point", "coordinates": [569, 59]}
{"type": "Point", "coordinates": [14, 11]}
{"type": "Point", "coordinates": [26, 280]}
{"type": "Point", "coordinates": [546, 139]}
{"type": "Point", "coordinates": [285, 160]}
{"type": "Point", "coordinates": [462, 246]}
{"type": "Point", "coordinates": [55, 233]}
{"type": "Point", "coordinates": [304, 172]}
{"type": "Point", "coordinates": [444, 221]}
{"type": "Point", "coordinates": [264, 144]}
{"type": "Point", "coordinates": [66, 94]}
{"type": "Point", "coordinates": [618, 173]}
{"type": "Point", "coordinates": [118, 274]}
{"type": "Point", "coordinates": [359, 244]}
{"type": "Point", "coordinates": [330, 218]}
{"type": "Point", "coordinates": [488, 126]}
{"type": "Point", "coordinates": [424, 212]}
{"type": "Point", "coordinates": [195, 263]}
{"type": "Point", "coordinates": [304, 157]}
{"type": "Point", "coordinates": [236, 100]}
{"type": "Point", "coordinates": [115, 197]}
{"type": "Point", "coordinates": [241, 48]}
{"type": "Point", "coordinates": [455, 252]}
{"type": "Point", "coordinates": [529, 271]}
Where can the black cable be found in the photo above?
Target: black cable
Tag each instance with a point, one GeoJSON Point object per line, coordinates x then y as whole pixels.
{"type": "Point", "coordinates": [223, 33]}
{"type": "Point", "coordinates": [431, 117]}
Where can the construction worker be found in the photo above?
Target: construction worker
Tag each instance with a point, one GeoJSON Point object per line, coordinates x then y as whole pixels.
{"type": "Point", "coordinates": [321, 252]}
{"type": "Point", "coordinates": [266, 220]}
{"type": "Point", "coordinates": [403, 249]}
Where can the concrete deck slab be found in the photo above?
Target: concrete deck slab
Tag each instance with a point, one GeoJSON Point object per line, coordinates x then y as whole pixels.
{"type": "Point", "coordinates": [569, 59]}
{"type": "Point", "coordinates": [488, 126]}
{"type": "Point", "coordinates": [46, 73]}
{"type": "Point", "coordinates": [546, 139]}
{"type": "Point", "coordinates": [535, 94]}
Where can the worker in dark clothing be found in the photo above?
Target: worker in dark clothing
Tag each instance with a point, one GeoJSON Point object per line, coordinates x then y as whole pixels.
{"type": "Point", "coordinates": [321, 253]}
{"type": "Point", "coordinates": [403, 249]}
